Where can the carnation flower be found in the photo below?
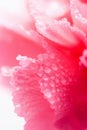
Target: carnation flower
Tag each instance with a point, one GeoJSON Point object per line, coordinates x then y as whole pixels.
{"type": "Point", "coordinates": [49, 84]}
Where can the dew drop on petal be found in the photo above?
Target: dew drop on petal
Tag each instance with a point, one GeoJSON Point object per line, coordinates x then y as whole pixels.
{"type": "Point", "coordinates": [47, 93]}
{"type": "Point", "coordinates": [45, 77]}
{"type": "Point", "coordinates": [54, 67]}
{"type": "Point", "coordinates": [47, 70]}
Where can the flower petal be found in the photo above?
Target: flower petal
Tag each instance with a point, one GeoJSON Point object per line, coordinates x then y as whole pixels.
{"type": "Point", "coordinates": [50, 8]}
{"type": "Point", "coordinates": [14, 12]}
{"type": "Point", "coordinates": [83, 58]}
{"type": "Point", "coordinates": [13, 43]}
{"type": "Point", "coordinates": [43, 88]}
{"type": "Point", "coordinates": [30, 102]}
{"type": "Point", "coordinates": [79, 15]}
{"type": "Point", "coordinates": [60, 32]}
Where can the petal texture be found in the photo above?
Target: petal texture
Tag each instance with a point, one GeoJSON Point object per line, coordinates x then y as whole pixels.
{"type": "Point", "coordinates": [78, 13]}
{"type": "Point", "coordinates": [50, 8]}
{"type": "Point", "coordinates": [44, 89]}
{"type": "Point", "coordinates": [60, 32]}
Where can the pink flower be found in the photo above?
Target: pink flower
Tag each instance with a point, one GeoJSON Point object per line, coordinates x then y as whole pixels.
{"type": "Point", "coordinates": [49, 84]}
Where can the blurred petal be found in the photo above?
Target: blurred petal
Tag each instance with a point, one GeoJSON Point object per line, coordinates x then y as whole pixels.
{"type": "Point", "coordinates": [50, 8]}
{"type": "Point", "coordinates": [13, 43]}
{"type": "Point", "coordinates": [13, 12]}
{"type": "Point", "coordinates": [78, 13]}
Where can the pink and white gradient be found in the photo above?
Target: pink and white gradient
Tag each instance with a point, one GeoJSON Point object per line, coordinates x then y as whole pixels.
{"type": "Point", "coordinates": [43, 62]}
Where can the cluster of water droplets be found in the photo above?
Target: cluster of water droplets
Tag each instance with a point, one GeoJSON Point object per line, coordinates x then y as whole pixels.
{"type": "Point", "coordinates": [47, 74]}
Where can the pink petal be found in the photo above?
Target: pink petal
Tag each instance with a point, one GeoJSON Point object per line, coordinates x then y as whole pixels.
{"type": "Point", "coordinates": [50, 8]}
{"type": "Point", "coordinates": [30, 102]}
{"type": "Point", "coordinates": [83, 58]}
{"type": "Point", "coordinates": [13, 43]}
{"type": "Point", "coordinates": [79, 15]}
{"type": "Point", "coordinates": [13, 12]}
{"type": "Point", "coordinates": [44, 121]}
{"type": "Point", "coordinates": [60, 32]}
{"type": "Point", "coordinates": [43, 89]}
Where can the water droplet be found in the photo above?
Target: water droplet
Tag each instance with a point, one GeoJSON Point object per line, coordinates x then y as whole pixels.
{"type": "Point", "coordinates": [41, 83]}
{"type": "Point", "coordinates": [47, 63]}
{"type": "Point", "coordinates": [52, 101]}
{"type": "Point", "coordinates": [52, 84]}
{"type": "Point", "coordinates": [45, 84]}
{"type": "Point", "coordinates": [39, 73]}
{"type": "Point", "coordinates": [47, 70]}
{"type": "Point", "coordinates": [57, 80]}
{"type": "Point", "coordinates": [47, 93]}
{"type": "Point", "coordinates": [40, 57]}
{"type": "Point", "coordinates": [45, 77]}
{"type": "Point", "coordinates": [52, 77]}
{"type": "Point", "coordinates": [57, 76]}
{"type": "Point", "coordinates": [63, 81]}
{"type": "Point", "coordinates": [58, 90]}
{"type": "Point", "coordinates": [53, 90]}
{"type": "Point", "coordinates": [54, 67]}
